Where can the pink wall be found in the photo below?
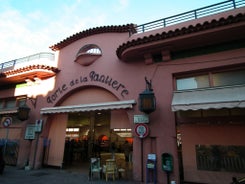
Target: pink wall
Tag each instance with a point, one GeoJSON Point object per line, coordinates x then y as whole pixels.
{"type": "Point", "coordinates": [56, 136]}
{"type": "Point", "coordinates": [119, 119]}
{"type": "Point", "coordinates": [193, 135]}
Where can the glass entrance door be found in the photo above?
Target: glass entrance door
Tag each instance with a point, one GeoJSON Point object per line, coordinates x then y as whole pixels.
{"type": "Point", "coordinates": [88, 135]}
{"type": "Point", "coordinates": [82, 133]}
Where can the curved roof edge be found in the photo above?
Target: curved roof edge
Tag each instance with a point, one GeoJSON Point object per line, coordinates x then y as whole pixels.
{"type": "Point", "coordinates": [92, 31]}
{"type": "Point", "coordinates": [122, 49]}
{"type": "Point", "coordinates": [31, 67]}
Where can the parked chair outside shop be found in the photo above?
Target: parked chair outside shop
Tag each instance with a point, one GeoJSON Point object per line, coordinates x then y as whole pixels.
{"type": "Point", "coordinates": [95, 167]}
{"type": "Point", "coordinates": [121, 167]}
{"type": "Point", "coordinates": [110, 169]}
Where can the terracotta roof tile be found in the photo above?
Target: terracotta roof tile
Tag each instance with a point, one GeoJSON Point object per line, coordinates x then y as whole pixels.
{"type": "Point", "coordinates": [29, 68]}
{"type": "Point", "coordinates": [89, 32]}
{"type": "Point", "coordinates": [181, 31]}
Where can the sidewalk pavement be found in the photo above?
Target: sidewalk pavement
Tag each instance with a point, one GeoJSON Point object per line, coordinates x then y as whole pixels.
{"type": "Point", "coordinates": [13, 175]}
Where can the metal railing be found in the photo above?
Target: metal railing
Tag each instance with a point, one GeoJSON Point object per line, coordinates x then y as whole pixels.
{"type": "Point", "coordinates": [11, 151]}
{"type": "Point", "coordinates": [33, 59]}
{"type": "Point", "coordinates": [190, 15]}
{"type": "Point", "coordinates": [225, 163]}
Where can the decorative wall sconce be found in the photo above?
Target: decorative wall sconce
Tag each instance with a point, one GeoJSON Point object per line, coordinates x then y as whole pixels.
{"type": "Point", "coordinates": [23, 112]}
{"type": "Point", "coordinates": [147, 100]}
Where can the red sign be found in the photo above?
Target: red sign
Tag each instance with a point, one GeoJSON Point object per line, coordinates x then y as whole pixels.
{"type": "Point", "coordinates": [141, 130]}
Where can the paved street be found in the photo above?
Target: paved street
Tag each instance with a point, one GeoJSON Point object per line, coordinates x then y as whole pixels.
{"type": "Point", "coordinates": [13, 175]}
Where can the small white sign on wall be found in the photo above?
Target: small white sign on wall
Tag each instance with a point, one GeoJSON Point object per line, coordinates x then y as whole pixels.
{"type": "Point", "coordinates": [30, 132]}
{"type": "Point", "coordinates": [152, 156]}
{"type": "Point", "coordinates": [142, 118]}
{"type": "Point", "coordinates": [39, 125]}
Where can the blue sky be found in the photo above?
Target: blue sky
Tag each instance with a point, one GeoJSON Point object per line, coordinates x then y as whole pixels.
{"type": "Point", "coordinates": [30, 26]}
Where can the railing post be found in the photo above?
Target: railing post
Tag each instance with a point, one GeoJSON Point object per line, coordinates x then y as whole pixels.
{"type": "Point", "coordinates": [195, 14]}
{"type": "Point", "coordinates": [130, 32]}
{"type": "Point", "coordinates": [234, 3]}
{"type": "Point", "coordinates": [164, 23]}
{"type": "Point", "coordinates": [143, 28]}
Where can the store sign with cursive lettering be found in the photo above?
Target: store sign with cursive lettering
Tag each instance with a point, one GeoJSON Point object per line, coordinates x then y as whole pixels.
{"type": "Point", "coordinates": [92, 77]}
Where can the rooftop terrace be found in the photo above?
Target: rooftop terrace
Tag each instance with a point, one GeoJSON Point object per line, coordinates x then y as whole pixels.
{"type": "Point", "coordinates": [190, 15]}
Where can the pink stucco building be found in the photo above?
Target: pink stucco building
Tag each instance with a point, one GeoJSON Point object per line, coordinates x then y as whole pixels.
{"type": "Point", "coordinates": [86, 95]}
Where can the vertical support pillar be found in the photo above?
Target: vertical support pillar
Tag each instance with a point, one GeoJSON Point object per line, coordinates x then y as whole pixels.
{"type": "Point", "coordinates": [91, 133]}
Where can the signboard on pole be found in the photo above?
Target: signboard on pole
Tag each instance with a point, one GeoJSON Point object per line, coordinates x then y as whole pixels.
{"type": "Point", "coordinates": [141, 130]}
{"type": "Point", "coordinates": [30, 132]}
{"type": "Point", "coordinates": [6, 121]}
{"type": "Point", "coordinates": [39, 125]}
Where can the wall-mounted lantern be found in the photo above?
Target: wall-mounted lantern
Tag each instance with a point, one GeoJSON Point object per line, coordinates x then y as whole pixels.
{"type": "Point", "coordinates": [147, 100]}
{"type": "Point", "coordinates": [23, 112]}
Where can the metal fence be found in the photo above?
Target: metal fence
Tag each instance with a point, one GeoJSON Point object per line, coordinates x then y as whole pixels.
{"type": "Point", "coordinates": [230, 158]}
{"type": "Point", "coordinates": [190, 15]}
{"type": "Point", "coordinates": [10, 151]}
{"type": "Point", "coordinates": [28, 59]}
{"type": "Point", "coordinates": [231, 164]}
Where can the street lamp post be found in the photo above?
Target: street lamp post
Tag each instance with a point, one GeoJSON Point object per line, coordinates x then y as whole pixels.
{"type": "Point", "coordinates": [23, 112]}
{"type": "Point", "coordinates": [147, 100]}
{"type": "Point", "coordinates": [147, 104]}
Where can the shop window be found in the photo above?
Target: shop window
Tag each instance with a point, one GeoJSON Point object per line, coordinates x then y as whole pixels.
{"type": "Point", "coordinates": [10, 103]}
{"type": "Point", "coordinates": [220, 158]}
{"type": "Point", "coordinates": [211, 79]}
{"type": "Point", "coordinates": [21, 102]}
{"type": "Point", "coordinates": [1, 104]}
{"type": "Point", "coordinates": [194, 82]}
{"type": "Point", "coordinates": [7, 103]}
{"type": "Point", "coordinates": [229, 78]}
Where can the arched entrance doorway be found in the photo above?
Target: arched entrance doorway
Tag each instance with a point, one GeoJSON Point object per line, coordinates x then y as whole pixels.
{"type": "Point", "coordinates": [84, 136]}
{"type": "Point", "coordinates": [88, 123]}
{"type": "Point", "coordinates": [89, 135]}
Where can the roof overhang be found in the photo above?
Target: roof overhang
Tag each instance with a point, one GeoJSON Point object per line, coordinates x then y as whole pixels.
{"type": "Point", "coordinates": [211, 98]}
{"type": "Point", "coordinates": [128, 104]}
{"type": "Point", "coordinates": [190, 34]}
{"type": "Point", "coordinates": [9, 111]}
{"type": "Point", "coordinates": [29, 72]}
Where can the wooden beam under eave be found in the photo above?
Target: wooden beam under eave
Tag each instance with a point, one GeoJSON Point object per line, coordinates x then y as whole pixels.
{"type": "Point", "coordinates": [166, 56]}
{"type": "Point", "coordinates": [148, 59]}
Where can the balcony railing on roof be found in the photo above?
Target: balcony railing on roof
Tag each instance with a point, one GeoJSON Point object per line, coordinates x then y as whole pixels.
{"type": "Point", "coordinates": [31, 60]}
{"type": "Point", "coordinates": [190, 15]}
